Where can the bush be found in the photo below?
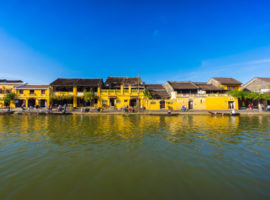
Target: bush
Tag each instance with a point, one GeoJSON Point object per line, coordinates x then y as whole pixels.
{"type": "Point", "coordinates": [8, 98]}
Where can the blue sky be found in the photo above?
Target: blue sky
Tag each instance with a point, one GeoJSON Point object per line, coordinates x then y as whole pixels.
{"type": "Point", "coordinates": [163, 40]}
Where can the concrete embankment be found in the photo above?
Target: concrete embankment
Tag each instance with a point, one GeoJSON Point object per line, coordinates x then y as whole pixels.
{"type": "Point", "coordinates": [193, 112]}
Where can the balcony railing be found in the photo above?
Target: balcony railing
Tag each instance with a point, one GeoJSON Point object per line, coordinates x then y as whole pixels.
{"type": "Point", "coordinates": [202, 95]}
{"type": "Point", "coordinates": [110, 92]}
{"type": "Point", "coordinates": [63, 93]}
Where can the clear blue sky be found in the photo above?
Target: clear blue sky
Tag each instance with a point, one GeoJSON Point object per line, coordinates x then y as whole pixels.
{"type": "Point", "coordinates": [164, 40]}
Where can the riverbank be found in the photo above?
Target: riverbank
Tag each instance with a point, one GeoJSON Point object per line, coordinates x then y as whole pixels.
{"type": "Point", "coordinates": [115, 112]}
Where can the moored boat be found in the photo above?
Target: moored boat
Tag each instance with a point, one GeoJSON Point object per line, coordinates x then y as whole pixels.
{"type": "Point", "coordinates": [223, 114]}
{"type": "Point", "coordinates": [7, 113]}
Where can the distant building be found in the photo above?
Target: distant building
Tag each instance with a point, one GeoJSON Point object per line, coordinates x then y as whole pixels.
{"type": "Point", "coordinates": [32, 95]}
{"type": "Point", "coordinates": [160, 98]}
{"type": "Point", "coordinates": [226, 83]}
{"type": "Point", "coordinates": [70, 91]}
{"type": "Point", "coordinates": [201, 95]}
{"type": "Point", "coordinates": [121, 92]}
{"type": "Point", "coordinates": [8, 86]}
{"type": "Point", "coordinates": [257, 84]}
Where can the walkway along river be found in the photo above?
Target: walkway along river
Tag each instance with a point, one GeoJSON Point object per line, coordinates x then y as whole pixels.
{"type": "Point", "coordinates": [134, 157]}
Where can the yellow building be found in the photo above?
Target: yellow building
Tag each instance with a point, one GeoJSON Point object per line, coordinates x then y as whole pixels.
{"type": "Point", "coordinates": [6, 87]}
{"type": "Point", "coordinates": [226, 83]}
{"type": "Point", "coordinates": [160, 98]}
{"type": "Point", "coordinates": [200, 96]}
{"type": "Point", "coordinates": [122, 92]}
{"type": "Point", "coordinates": [116, 92]}
{"type": "Point", "coordinates": [71, 91]}
{"type": "Point", "coordinates": [32, 95]}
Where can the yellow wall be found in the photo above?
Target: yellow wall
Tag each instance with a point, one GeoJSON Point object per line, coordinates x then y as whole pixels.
{"type": "Point", "coordinates": [37, 95]}
{"type": "Point", "coordinates": [171, 105]}
{"type": "Point", "coordinates": [152, 104]}
{"type": "Point", "coordinates": [220, 102]}
{"type": "Point", "coordinates": [207, 102]}
{"type": "Point", "coordinates": [228, 87]}
{"type": "Point", "coordinates": [121, 97]}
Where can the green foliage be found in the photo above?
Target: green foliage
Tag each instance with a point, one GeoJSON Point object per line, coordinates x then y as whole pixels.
{"type": "Point", "coordinates": [248, 95]}
{"type": "Point", "coordinates": [88, 96]}
{"type": "Point", "coordinates": [147, 94]}
{"type": "Point", "coordinates": [8, 98]}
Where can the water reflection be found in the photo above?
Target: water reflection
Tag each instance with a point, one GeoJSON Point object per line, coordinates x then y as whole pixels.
{"type": "Point", "coordinates": [77, 129]}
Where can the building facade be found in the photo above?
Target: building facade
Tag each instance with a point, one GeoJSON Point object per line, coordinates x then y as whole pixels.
{"type": "Point", "coordinates": [258, 85]}
{"type": "Point", "coordinates": [7, 87]}
{"type": "Point", "coordinates": [32, 96]}
{"type": "Point", "coordinates": [200, 96]}
{"type": "Point", "coordinates": [124, 92]}
{"type": "Point", "coordinates": [72, 91]}
{"type": "Point", "coordinates": [226, 83]}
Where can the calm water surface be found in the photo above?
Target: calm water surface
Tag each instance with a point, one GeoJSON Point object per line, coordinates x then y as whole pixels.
{"type": "Point", "coordinates": [134, 157]}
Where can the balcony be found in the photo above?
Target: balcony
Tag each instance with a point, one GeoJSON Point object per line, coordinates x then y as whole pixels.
{"type": "Point", "coordinates": [63, 93]}
{"type": "Point", "coordinates": [202, 95]}
{"type": "Point", "coordinates": [110, 92]}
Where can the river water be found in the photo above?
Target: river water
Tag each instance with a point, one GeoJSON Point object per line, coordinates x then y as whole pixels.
{"type": "Point", "coordinates": [134, 157]}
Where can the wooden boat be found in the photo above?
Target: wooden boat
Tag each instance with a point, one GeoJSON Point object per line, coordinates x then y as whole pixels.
{"type": "Point", "coordinates": [59, 113]}
{"type": "Point", "coordinates": [7, 113]}
{"type": "Point", "coordinates": [223, 114]}
{"type": "Point", "coordinates": [164, 114]}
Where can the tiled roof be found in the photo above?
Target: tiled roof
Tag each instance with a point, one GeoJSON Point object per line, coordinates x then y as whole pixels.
{"type": "Point", "coordinates": [157, 91]}
{"type": "Point", "coordinates": [123, 80]}
{"type": "Point", "coordinates": [227, 81]}
{"type": "Point", "coordinates": [77, 82]}
{"type": "Point", "coordinates": [10, 81]}
{"type": "Point", "coordinates": [264, 79]}
{"type": "Point", "coordinates": [33, 87]}
{"type": "Point", "coordinates": [207, 87]}
{"type": "Point", "coordinates": [117, 81]}
{"type": "Point", "coordinates": [183, 85]}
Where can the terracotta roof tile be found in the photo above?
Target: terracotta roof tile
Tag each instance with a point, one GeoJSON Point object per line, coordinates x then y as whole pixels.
{"type": "Point", "coordinates": [227, 81]}
{"type": "Point", "coordinates": [183, 85]}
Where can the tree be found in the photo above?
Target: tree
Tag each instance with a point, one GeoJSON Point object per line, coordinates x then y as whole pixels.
{"type": "Point", "coordinates": [147, 94]}
{"type": "Point", "coordinates": [9, 98]}
{"type": "Point", "coordinates": [89, 96]}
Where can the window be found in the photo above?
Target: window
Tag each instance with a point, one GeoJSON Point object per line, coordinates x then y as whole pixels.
{"type": "Point", "coordinates": [1, 91]}
{"type": "Point", "coordinates": [170, 103]}
{"type": "Point", "coordinates": [125, 100]}
{"type": "Point", "coordinates": [32, 92]}
{"type": "Point", "coordinates": [153, 102]}
{"type": "Point", "coordinates": [42, 91]}
{"type": "Point", "coordinates": [21, 91]}
{"type": "Point", "coordinates": [104, 101]}
{"type": "Point", "coordinates": [118, 101]}
{"type": "Point", "coordinates": [8, 91]}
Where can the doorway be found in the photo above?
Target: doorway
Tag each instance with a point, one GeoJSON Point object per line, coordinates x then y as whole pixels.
{"type": "Point", "coordinates": [31, 102]}
{"type": "Point", "coordinates": [162, 104]}
{"type": "Point", "coordinates": [190, 105]}
{"type": "Point", "coordinates": [19, 103]}
{"type": "Point", "coordinates": [112, 101]}
{"type": "Point", "coordinates": [42, 103]}
{"type": "Point", "coordinates": [133, 102]}
{"type": "Point", "coordinates": [231, 104]}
